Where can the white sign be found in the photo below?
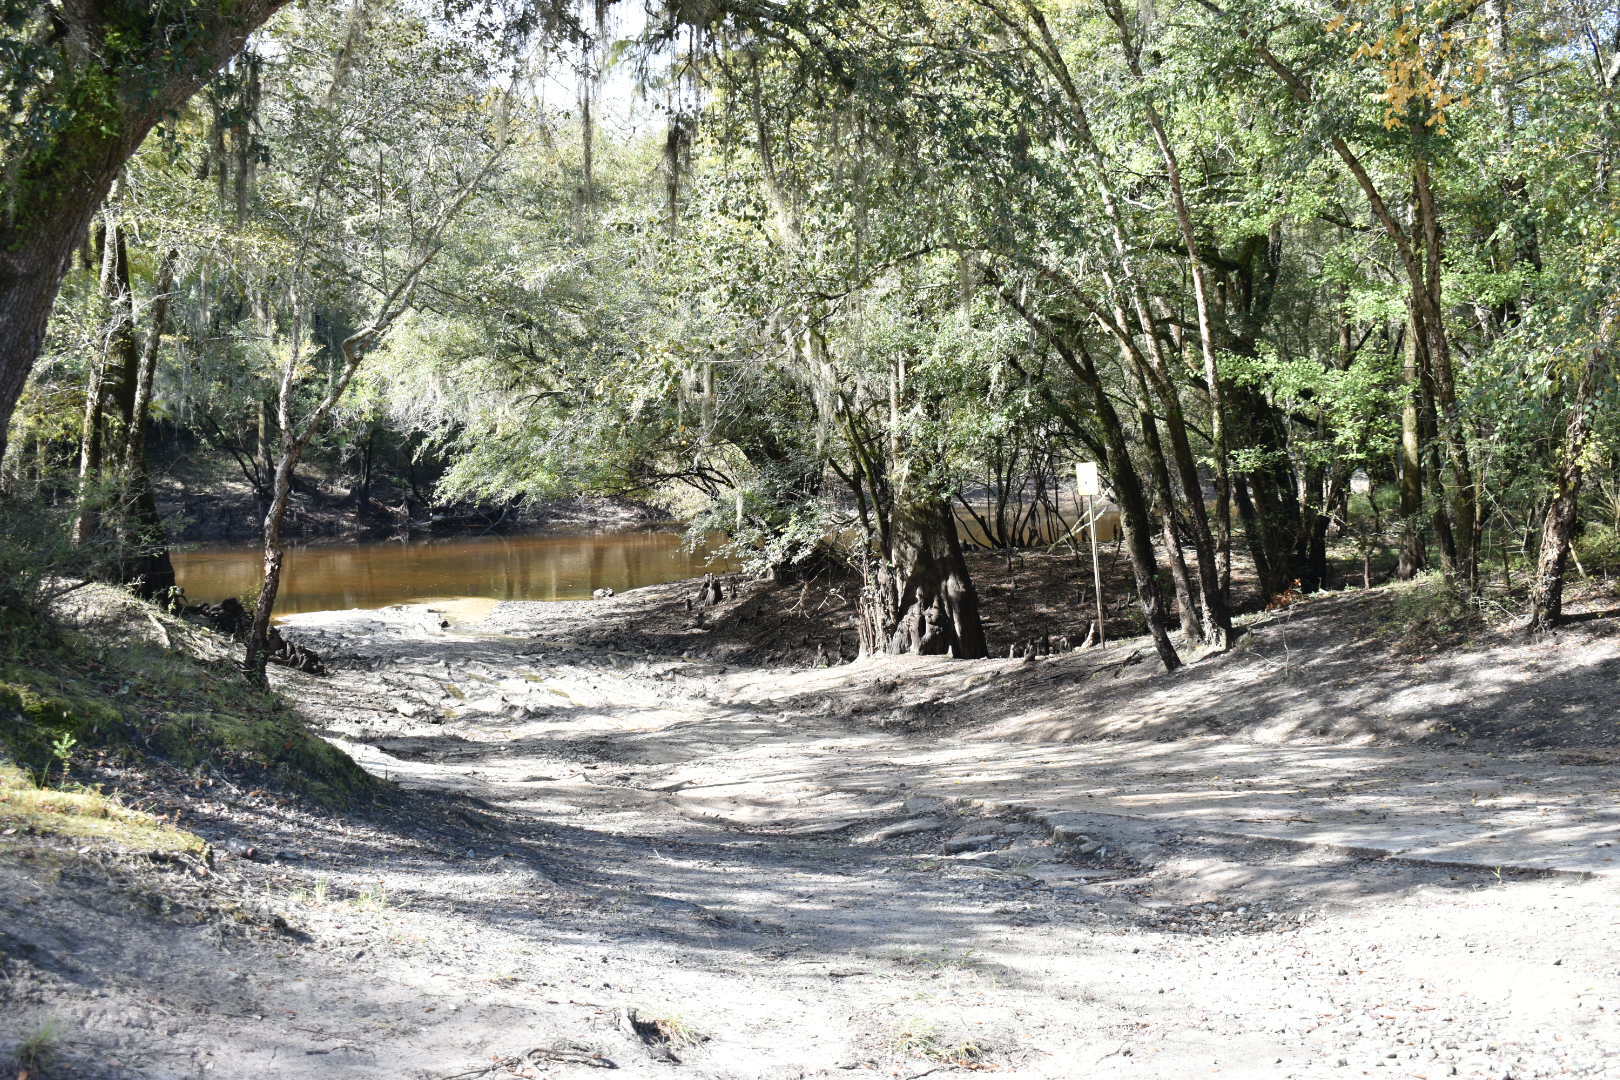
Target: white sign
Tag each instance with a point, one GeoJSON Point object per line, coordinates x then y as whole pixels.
{"type": "Point", "coordinates": [1086, 480]}
{"type": "Point", "coordinates": [1360, 482]}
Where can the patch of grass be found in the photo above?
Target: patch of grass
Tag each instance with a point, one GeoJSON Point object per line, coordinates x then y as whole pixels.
{"type": "Point", "coordinates": [371, 898]}
{"type": "Point", "coordinates": [676, 1031]}
{"type": "Point", "coordinates": [921, 1038]}
{"type": "Point", "coordinates": [1432, 612]}
{"type": "Point", "coordinates": [63, 693]}
{"type": "Point", "coordinates": [36, 1050]}
{"type": "Point", "coordinates": [316, 894]}
{"type": "Point", "coordinates": [83, 813]}
{"type": "Point", "coordinates": [34, 721]}
{"type": "Point", "coordinates": [941, 959]}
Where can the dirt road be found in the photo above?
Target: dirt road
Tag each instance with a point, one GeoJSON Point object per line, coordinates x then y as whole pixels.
{"type": "Point", "coordinates": [604, 852]}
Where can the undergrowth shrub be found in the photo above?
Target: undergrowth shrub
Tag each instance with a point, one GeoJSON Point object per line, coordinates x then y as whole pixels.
{"type": "Point", "coordinates": [1599, 547]}
{"type": "Point", "coordinates": [1431, 611]}
{"type": "Point", "coordinates": [36, 555]}
{"type": "Point", "coordinates": [39, 560]}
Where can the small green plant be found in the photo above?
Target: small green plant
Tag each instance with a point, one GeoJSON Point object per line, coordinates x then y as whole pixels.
{"type": "Point", "coordinates": [35, 1051]}
{"type": "Point", "coordinates": [371, 898]}
{"type": "Point", "coordinates": [62, 750]}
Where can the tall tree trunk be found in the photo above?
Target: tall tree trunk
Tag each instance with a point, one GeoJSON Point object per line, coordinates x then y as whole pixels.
{"type": "Point", "coordinates": [1201, 299]}
{"type": "Point", "coordinates": [147, 565]}
{"type": "Point", "coordinates": [1558, 526]}
{"type": "Point", "coordinates": [1192, 626]}
{"type": "Point", "coordinates": [362, 490]}
{"type": "Point", "coordinates": [352, 352]}
{"type": "Point", "coordinates": [1271, 518]}
{"type": "Point", "coordinates": [87, 518]}
{"type": "Point", "coordinates": [124, 353]}
{"type": "Point", "coordinates": [1413, 557]}
{"type": "Point", "coordinates": [1420, 251]}
{"type": "Point", "coordinates": [1327, 487]}
{"type": "Point", "coordinates": [258, 643]}
{"type": "Point", "coordinates": [1217, 619]}
{"type": "Point", "coordinates": [1155, 370]}
{"type": "Point", "coordinates": [264, 463]}
{"type": "Point", "coordinates": [1258, 552]}
{"type": "Point", "coordinates": [1135, 519]}
{"type": "Point", "coordinates": [32, 264]}
{"type": "Point", "coordinates": [92, 433]}
{"type": "Point", "coordinates": [1464, 510]}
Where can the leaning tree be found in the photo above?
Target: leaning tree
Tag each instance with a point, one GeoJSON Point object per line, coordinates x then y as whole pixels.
{"type": "Point", "coordinates": [84, 84]}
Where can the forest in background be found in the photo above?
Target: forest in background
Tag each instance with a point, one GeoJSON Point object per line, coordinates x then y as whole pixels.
{"type": "Point", "coordinates": [832, 268]}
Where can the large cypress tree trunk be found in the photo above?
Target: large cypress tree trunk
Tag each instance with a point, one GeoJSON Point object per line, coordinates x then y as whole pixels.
{"type": "Point", "coordinates": [1269, 505]}
{"type": "Point", "coordinates": [920, 598]}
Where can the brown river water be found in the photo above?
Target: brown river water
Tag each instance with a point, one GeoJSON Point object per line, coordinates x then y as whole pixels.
{"type": "Point", "coordinates": [550, 566]}
{"type": "Point", "coordinates": [540, 566]}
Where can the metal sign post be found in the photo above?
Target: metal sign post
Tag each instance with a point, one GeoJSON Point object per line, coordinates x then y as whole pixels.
{"type": "Point", "coordinates": [1089, 484]}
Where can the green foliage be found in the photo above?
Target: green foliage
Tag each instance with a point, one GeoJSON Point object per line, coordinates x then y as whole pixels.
{"type": "Point", "coordinates": [34, 555]}
{"type": "Point", "coordinates": [39, 561]}
{"type": "Point", "coordinates": [828, 282]}
{"type": "Point", "coordinates": [34, 724]}
{"type": "Point", "coordinates": [1599, 547]}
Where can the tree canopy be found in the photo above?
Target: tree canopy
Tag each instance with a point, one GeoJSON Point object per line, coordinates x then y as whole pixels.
{"type": "Point", "coordinates": [1294, 274]}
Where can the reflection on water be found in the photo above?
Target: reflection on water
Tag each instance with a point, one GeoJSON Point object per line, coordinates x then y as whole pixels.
{"type": "Point", "coordinates": [551, 566]}
{"type": "Point", "coordinates": [546, 567]}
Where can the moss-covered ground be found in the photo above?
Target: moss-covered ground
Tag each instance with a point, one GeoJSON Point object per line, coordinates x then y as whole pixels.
{"type": "Point", "coordinates": [68, 698]}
